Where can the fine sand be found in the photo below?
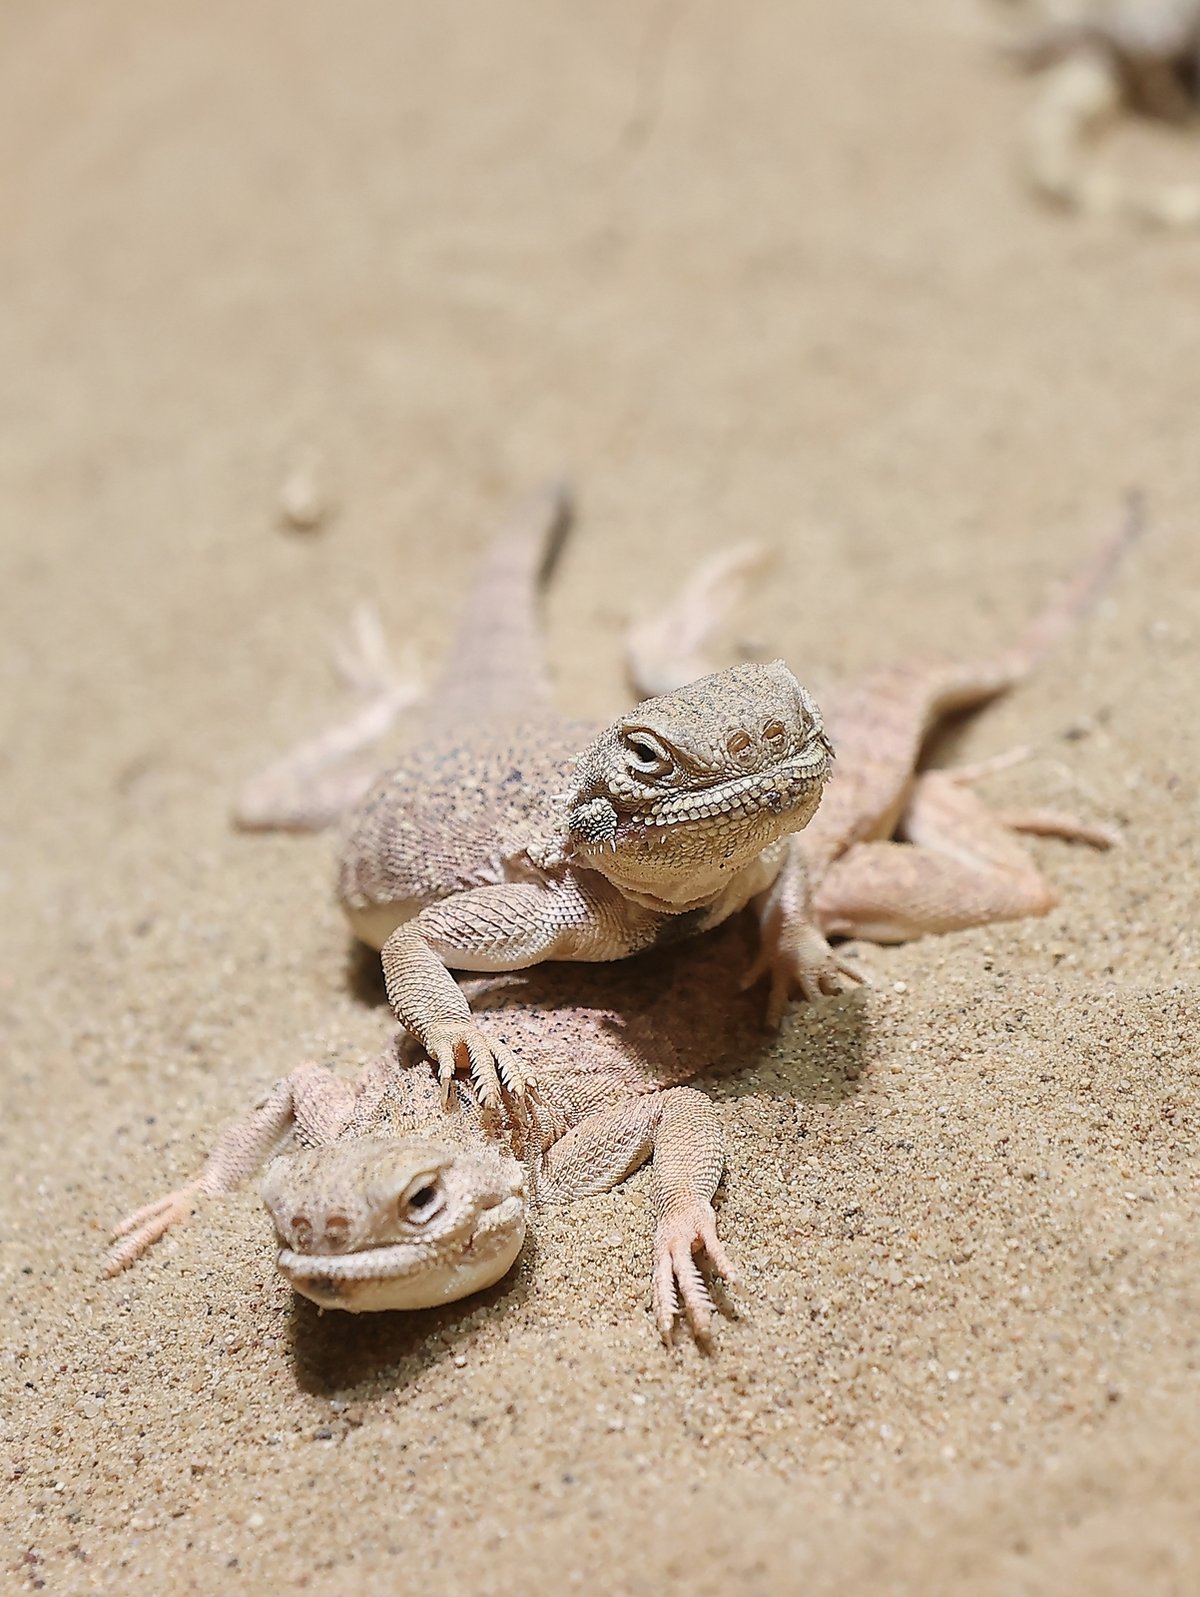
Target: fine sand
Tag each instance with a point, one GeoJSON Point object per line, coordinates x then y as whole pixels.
{"type": "Point", "coordinates": [743, 270]}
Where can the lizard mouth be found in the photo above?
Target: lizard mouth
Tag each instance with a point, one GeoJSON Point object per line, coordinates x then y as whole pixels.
{"type": "Point", "coordinates": [408, 1275]}
{"type": "Point", "coordinates": [785, 787]}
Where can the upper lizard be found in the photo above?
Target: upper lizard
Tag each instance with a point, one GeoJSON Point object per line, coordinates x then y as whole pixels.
{"type": "Point", "coordinates": [508, 835]}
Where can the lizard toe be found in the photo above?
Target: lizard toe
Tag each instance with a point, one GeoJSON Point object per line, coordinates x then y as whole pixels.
{"type": "Point", "coordinates": [812, 973]}
{"type": "Point", "coordinates": [140, 1230]}
{"type": "Point", "coordinates": [678, 1283]}
{"type": "Point", "coordinates": [519, 1081]}
{"type": "Point", "coordinates": [481, 1061]}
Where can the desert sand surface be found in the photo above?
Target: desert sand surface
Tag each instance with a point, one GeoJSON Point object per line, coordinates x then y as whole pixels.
{"type": "Point", "coordinates": [759, 271]}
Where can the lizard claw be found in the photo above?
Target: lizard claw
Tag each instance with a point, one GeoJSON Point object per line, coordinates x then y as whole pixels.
{"type": "Point", "coordinates": [496, 1072]}
{"type": "Point", "coordinates": [677, 1281]}
{"type": "Point", "coordinates": [800, 960]}
{"type": "Point", "coordinates": [145, 1226]}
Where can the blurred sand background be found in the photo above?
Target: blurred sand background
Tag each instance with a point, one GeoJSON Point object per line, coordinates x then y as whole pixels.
{"type": "Point", "coordinates": [755, 270]}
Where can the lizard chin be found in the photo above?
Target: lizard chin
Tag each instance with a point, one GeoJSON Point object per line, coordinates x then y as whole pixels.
{"type": "Point", "coordinates": [405, 1276]}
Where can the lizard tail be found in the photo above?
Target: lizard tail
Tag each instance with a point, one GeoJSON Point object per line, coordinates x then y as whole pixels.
{"type": "Point", "coordinates": [496, 667]}
{"type": "Point", "coordinates": [961, 687]}
{"type": "Point", "coordinates": [1078, 595]}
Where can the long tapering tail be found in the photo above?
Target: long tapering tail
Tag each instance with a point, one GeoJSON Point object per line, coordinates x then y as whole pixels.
{"type": "Point", "coordinates": [495, 667]}
{"type": "Point", "coordinates": [1078, 594]}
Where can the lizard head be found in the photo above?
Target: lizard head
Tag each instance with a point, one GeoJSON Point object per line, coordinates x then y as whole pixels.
{"type": "Point", "coordinates": [395, 1223]}
{"type": "Point", "coordinates": [693, 786]}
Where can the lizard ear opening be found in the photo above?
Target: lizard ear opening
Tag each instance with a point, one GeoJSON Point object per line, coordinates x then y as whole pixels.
{"type": "Point", "coordinates": [594, 822]}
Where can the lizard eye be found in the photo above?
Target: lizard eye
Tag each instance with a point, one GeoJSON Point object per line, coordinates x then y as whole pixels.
{"type": "Point", "coordinates": [420, 1200]}
{"type": "Point", "coordinates": [648, 757]}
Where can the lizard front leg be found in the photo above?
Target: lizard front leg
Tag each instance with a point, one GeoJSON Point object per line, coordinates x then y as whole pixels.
{"type": "Point", "coordinates": [508, 927]}
{"type": "Point", "coordinates": [794, 952]}
{"type": "Point", "coordinates": [239, 1151]}
{"type": "Point", "coordinates": [682, 1129]}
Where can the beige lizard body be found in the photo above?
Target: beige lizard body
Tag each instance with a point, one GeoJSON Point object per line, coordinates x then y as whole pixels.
{"type": "Point", "coordinates": [386, 1198]}
{"type": "Point", "coordinates": [507, 852]}
{"type": "Point", "coordinates": [1095, 57]}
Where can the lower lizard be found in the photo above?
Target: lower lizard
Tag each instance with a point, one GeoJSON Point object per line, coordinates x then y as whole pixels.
{"type": "Point", "coordinates": [387, 1198]}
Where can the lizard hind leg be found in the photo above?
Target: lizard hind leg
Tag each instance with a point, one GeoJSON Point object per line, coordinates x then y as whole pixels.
{"type": "Point", "coordinates": [668, 649]}
{"type": "Point", "coordinates": [960, 866]}
{"type": "Point", "coordinates": [681, 1128]}
{"type": "Point", "coordinates": [1040, 820]}
{"type": "Point", "coordinates": [311, 786]}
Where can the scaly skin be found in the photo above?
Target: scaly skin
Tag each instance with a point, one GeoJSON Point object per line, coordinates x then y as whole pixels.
{"type": "Point", "coordinates": [396, 1200]}
{"type": "Point", "coordinates": [494, 846]}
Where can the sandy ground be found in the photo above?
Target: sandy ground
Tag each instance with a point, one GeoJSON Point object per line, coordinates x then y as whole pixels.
{"type": "Point", "coordinates": [758, 269]}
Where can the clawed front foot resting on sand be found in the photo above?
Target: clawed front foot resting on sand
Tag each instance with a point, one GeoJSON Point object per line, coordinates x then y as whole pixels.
{"type": "Point", "coordinates": [794, 953]}
{"type": "Point", "coordinates": [798, 958]}
{"type": "Point", "coordinates": [493, 1067]}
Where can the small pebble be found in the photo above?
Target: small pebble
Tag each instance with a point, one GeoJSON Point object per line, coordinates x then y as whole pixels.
{"type": "Point", "coordinates": [303, 505]}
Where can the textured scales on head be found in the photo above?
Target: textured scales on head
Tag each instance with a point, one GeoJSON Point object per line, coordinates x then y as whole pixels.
{"type": "Point", "coordinates": [699, 780]}
{"type": "Point", "coordinates": [395, 1223]}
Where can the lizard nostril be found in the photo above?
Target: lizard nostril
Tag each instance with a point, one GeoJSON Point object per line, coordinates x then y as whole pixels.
{"type": "Point", "coordinates": [336, 1228]}
{"type": "Point", "coordinates": [738, 743]}
{"type": "Point", "coordinates": [302, 1231]}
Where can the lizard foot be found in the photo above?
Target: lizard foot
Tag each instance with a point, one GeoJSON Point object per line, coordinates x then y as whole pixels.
{"type": "Point", "coordinates": [679, 1236]}
{"type": "Point", "coordinates": [495, 1070]}
{"type": "Point", "coordinates": [144, 1227]}
{"type": "Point", "coordinates": [800, 959]}
{"type": "Point", "coordinates": [365, 665]}
{"type": "Point", "coordinates": [310, 787]}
